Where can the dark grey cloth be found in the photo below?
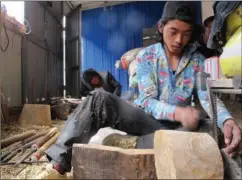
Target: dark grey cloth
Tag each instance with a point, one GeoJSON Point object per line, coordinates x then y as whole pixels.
{"type": "Point", "coordinates": [101, 109]}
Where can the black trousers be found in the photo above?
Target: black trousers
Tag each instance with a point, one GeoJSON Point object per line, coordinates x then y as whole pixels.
{"type": "Point", "coordinates": [103, 109]}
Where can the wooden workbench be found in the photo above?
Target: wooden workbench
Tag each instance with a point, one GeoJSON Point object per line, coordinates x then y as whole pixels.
{"type": "Point", "coordinates": [224, 86]}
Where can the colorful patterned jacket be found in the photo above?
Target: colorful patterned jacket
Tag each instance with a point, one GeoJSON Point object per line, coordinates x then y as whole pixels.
{"type": "Point", "coordinates": [160, 91]}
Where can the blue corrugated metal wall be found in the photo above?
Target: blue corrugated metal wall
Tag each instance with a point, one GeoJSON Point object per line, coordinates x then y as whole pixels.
{"type": "Point", "coordinates": [107, 33]}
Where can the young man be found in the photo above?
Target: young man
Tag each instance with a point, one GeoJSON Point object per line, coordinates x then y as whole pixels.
{"type": "Point", "coordinates": [92, 80]}
{"type": "Point", "coordinates": [166, 77]}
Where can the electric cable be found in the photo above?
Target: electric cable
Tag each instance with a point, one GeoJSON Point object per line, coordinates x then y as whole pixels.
{"type": "Point", "coordinates": [5, 49]}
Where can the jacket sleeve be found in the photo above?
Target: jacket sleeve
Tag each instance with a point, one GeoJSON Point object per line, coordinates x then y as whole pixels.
{"type": "Point", "coordinates": [84, 90]}
{"type": "Point", "coordinates": [116, 84]}
{"type": "Point", "coordinates": [148, 91]}
{"type": "Point", "coordinates": [222, 113]}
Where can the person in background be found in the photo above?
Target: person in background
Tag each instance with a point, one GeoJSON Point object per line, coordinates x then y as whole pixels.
{"type": "Point", "coordinates": [207, 24]}
{"type": "Point", "coordinates": [166, 80]}
{"type": "Point", "coordinates": [92, 80]}
{"type": "Point", "coordinates": [203, 49]}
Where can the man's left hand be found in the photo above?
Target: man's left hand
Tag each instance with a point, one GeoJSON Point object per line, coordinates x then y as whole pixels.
{"type": "Point", "coordinates": [232, 136]}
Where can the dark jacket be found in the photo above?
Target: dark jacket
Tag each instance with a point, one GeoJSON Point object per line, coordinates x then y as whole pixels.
{"type": "Point", "coordinates": [206, 52]}
{"type": "Point", "coordinates": [108, 82]}
{"type": "Point", "coordinates": [221, 10]}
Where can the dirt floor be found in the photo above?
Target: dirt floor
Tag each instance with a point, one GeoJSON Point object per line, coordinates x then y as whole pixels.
{"type": "Point", "coordinates": [24, 171]}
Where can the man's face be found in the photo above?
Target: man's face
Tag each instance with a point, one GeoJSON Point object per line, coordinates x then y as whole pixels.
{"type": "Point", "coordinates": [176, 35]}
{"type": "Point", "coordinates": [207, 32]}
{"type": "Point", "coordinates": [95, 81]}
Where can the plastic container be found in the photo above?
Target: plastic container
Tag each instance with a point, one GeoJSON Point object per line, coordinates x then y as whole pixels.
{"type": "Point", "coordinates": [212, 66]}
{"type": "Point", "coordinates": [230, 59]}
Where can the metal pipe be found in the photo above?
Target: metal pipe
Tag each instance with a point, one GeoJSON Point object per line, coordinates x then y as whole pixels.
{"type": "Point", "coordinates": [64, 56]}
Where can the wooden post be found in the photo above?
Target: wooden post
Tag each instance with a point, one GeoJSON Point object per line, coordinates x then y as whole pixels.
{"type": "Point", "coordinates": [105, 162]}
{"type": "Point", "coordinates": [187, 155]}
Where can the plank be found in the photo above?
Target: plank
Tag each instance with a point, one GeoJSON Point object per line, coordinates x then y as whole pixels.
{"type": "Point", "coordinates": [187, 155]}
{"type": "Point", "coordinates": [228, 91]}
{"type": "Point", "coordinates": [105, 162]}
{"type": "Point", "coordinates": [222, 83]}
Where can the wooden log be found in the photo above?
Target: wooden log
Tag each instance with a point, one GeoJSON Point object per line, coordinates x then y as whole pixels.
{"type": "Point", "coordinates": [187, 155]}
{"type": "Point", "coordinates": [36, 114]}
{"type": "Point", "coordinates": [16, 138]}
{"type": "Point", "coordinates": [37, 135]}
{"type": "Point", "coordinates": [105, 162]}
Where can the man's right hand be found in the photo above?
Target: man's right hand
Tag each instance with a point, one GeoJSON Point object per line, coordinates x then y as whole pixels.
{"type": "Point", "coordinates": [188, 117]}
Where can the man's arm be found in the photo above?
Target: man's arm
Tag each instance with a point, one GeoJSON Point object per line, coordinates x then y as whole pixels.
{"type": "Point", "coordinates": [222, 113]}
{"type": "Point", "coordinates": [148, 92]}
{"type": "Point", "coordinates": [232, 132]}
{"type": "Point", "coordinates": [116, 84]}
{"type": "Point", "coordinates": [84, 90]}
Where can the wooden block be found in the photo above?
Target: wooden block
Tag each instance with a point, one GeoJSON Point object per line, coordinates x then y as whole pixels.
{"type": "Point", "coordinates": [36, 114]}
{"type": "Point", "coordinates": [105, 162]}
{"type": "Point", "coordinates": [187, 155]}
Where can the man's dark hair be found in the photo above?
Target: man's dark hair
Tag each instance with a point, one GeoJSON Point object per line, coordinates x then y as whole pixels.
{"type": "Point", "coordinates": [88, 74]}
{"type": "Point", "coordinates": [208, 20]}
{"type": "Point", "coordinates": [196, 32]}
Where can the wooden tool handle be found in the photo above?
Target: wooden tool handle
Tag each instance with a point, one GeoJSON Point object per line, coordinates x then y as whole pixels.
{"type": "Point", "coordinates": [29, 139]}
{"type": "Point", "coordinates": [16, 138]}
{"type": "Point", "coordinates": [40, 152]}
{"type": "Point", "coordinates": [45, 138]}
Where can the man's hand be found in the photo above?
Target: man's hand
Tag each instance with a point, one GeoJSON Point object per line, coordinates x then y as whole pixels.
{"type": "Point", "coordinates": [232, 136]}
{"type": "Point", "coordinates": [188, 117]}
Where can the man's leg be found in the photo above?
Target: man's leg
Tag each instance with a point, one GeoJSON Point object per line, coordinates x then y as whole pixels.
{"type": "Point", "coordinates": [101, 109]}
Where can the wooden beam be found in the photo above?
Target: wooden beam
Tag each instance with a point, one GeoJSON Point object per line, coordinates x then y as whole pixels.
{"type": "Point", "coordinates": [104, 162]}
{"type": "Point", "coordinates": [187, 155]}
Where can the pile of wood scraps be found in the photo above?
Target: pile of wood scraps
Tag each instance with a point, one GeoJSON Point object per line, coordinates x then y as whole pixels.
{"type": "Point", "coordinates": [61, 108]}
{"type": "Point", "coordinates": [35, 142]}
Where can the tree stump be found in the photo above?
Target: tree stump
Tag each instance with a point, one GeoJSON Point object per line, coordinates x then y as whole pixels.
{"type": "Point", "coordinates": [35, 114]}
{"type": "Point", "coordinates": [105, 162]}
